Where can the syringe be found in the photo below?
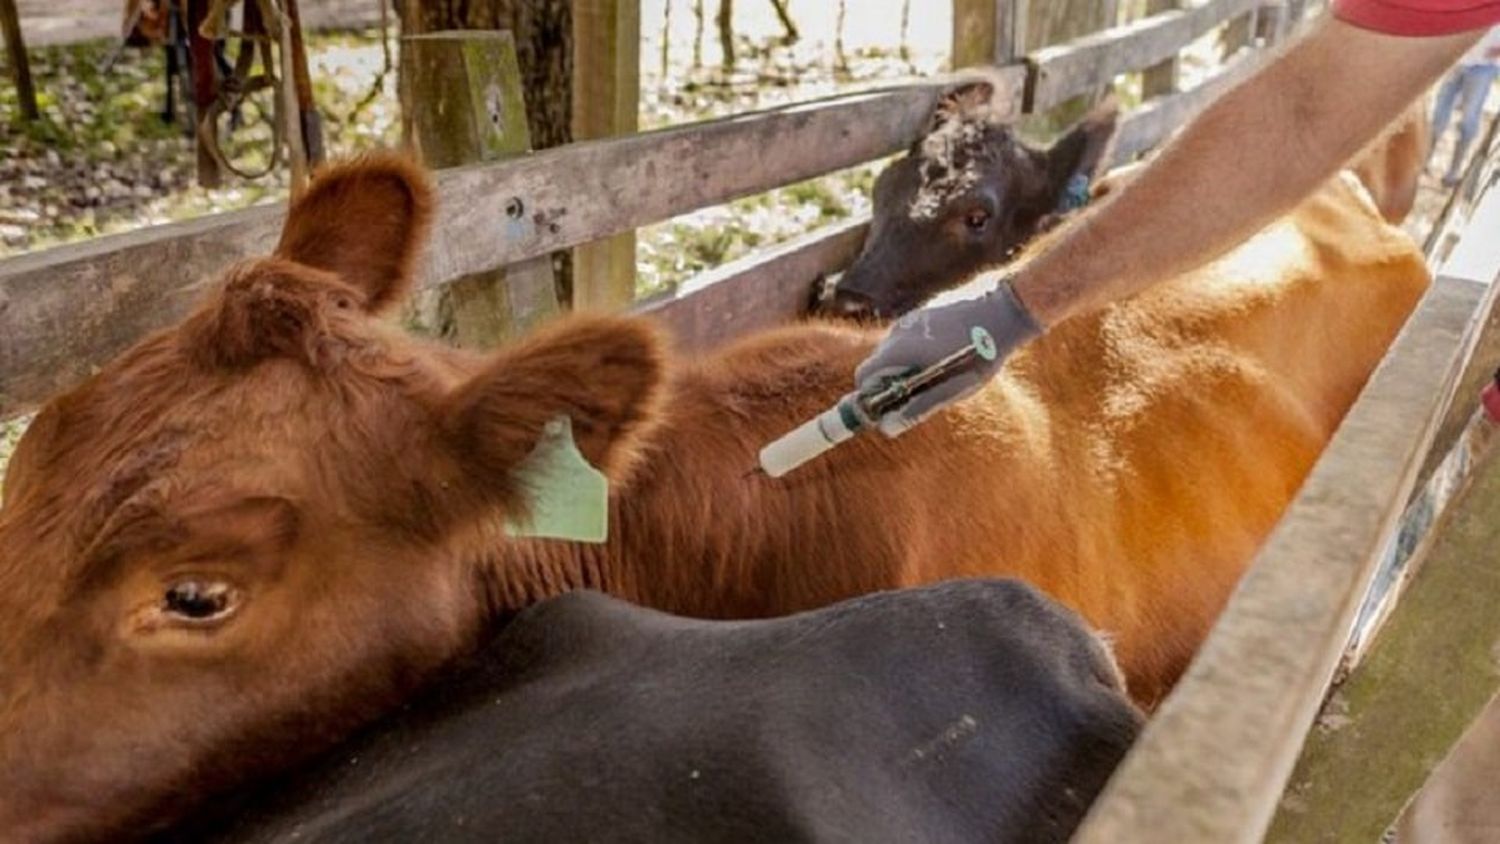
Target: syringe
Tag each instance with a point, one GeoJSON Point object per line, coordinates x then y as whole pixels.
{"type": "Point", "coordinates": [861, 411]}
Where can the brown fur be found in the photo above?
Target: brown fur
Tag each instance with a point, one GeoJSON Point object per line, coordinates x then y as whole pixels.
{"type": "Point", "coordinates": [350, 485]}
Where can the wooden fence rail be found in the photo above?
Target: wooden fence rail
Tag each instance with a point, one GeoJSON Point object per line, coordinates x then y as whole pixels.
{"type": "Point", "coordinates": [67, 310]}
{"type": "Point", "coordinates": [1214, 760]}
{"type": "Point", "coordinates": [1067, 70]}
{"type": "Point", "coordinates": [1150, 124]}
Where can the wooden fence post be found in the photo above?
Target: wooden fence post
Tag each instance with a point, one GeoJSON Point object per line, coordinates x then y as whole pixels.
{"type": "Point", "coordinates": [1160, 79]}
{"type": "Point", "coordinates": [1272, 21]}
{"type": "Point", "coordinates": [986, 32]}
{"type": "Point", "coordinates": [1238, 33]}
{"type": "Point", "coordinates": [1431, 671]}
{"type": "Point", "coordinates": [1044, 24]}
{"type": "Point", "coordinates": [606, 102]}
{"type": "Point", "coordinates": [20, 67]}
{"type": "Point", "coordinates": [466, 106]}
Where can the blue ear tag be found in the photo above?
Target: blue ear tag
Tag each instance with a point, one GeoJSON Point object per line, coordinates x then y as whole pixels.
{"type": "Point", "coordinates": [569, 499]}
{"type": "Point", "coordinates": [1075, 194]}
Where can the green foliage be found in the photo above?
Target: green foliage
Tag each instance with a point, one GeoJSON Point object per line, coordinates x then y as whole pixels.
{"type": "Point", "coordinates": [101, 159]}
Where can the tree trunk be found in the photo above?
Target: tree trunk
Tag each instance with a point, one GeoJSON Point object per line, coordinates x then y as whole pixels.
{"type": "Point", "coordinates": [666, 43]}
{"type": "Point", "coordinates": [697, 34]}
{"type": "Point", "coordinates": [840, 60]}
{"type": "Point", "coordinates": [544, 44]}
{"type": "Point", "coordinates": [20, 69]}
{"type": "Point", "coordinates": [787, 24]}
{"type": "Point", "coordinates": [725, 22]}
{"type": "Point", "coordinates": [905, 49]}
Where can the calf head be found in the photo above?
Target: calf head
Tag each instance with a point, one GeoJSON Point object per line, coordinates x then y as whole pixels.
{"type": "Point", "coordinates": [258, 528]}
{"type": "Point", "coordinates": [966, 196]}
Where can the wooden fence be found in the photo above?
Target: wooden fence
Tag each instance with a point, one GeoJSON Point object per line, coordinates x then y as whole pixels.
{"type": "Point", "coordinates": [66, 311]}
{"type": "Point", "coordinates": [1213, 762]}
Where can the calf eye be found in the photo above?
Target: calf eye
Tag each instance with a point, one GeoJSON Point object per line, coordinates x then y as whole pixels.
{"type": "Point", "coordinates": [977, 219]}
{"type": "Point", "coordinates": [199, 601]}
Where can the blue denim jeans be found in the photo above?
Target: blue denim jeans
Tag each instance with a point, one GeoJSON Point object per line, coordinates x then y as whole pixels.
{"type": "Point", "coordinates": [1470, 84]}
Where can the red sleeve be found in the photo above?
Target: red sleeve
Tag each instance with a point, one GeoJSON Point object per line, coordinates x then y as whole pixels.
{"type": "Point", "coordinates": [1418, 18]}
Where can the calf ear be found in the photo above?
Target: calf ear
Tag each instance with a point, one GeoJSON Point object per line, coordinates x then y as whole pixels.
{"type": "Point", "coordinates": [364, 220]}
{"type": "Point", "coordinates": [1083, 151]}
{"type": "Point", "coordinates": [967, 100]}
{"type": "Point", "coordinates": [976, 94]}
{"type": "Point", "coordinates": [604, 373]}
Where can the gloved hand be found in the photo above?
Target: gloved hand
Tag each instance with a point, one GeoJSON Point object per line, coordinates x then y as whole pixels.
{"type": "Point", "coordinates": [923, 337]}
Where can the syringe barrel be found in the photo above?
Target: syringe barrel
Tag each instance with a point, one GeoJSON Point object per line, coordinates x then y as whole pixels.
{"type": "Point", "coordinates": [811, 439]}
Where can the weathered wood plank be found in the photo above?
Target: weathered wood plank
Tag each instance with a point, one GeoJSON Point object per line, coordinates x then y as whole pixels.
{"type": "Point", "coordinates": [1212, 763]}
{"type": "Point", "coordinates": [1429, 674]}
{"type": "Point", "coordinates": [1160, 79]}
{"type": "Point", "coordinates": [1081, 65]}
{"type": "Point", "coordinates": [1450, 458]}
{"type": "Point", "coordinates": [1473, 258]}
{"type": "Point", "coordinates": [761, 290]}
{"type": "Point", "coordinates": [986, 32]}
{"type": "Point", "coordinates": [606, 104]}
{"type": "Point", "coordinates": [1146, 127]}
{"type": "Point", "coordinates": [64, 311]}
{"type": "Point", "coordinates": [467, 105]}
{"type": "Point", "coordinates": [1457, 801]}
{"type": "Point", "coordinates": [1237, 35]}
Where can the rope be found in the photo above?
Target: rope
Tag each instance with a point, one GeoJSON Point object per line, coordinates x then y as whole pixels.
{"type": "Point", "coordinates": [235, 90]}
{"type": "Point", "coordinates": [240, 85]}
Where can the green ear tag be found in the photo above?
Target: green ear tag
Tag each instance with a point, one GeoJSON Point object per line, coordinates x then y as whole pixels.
{"type": "Point", "coordinates": [569, 498]}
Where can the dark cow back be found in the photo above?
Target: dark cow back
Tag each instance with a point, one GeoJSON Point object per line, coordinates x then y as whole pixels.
{"type": "Point", "coordinates": [966, 711]}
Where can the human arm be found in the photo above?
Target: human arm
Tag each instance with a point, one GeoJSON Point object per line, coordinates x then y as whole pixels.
{"type": "Point", "coordinates": [1249, 157]}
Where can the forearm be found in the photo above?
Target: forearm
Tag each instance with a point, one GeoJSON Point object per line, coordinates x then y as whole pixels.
{"type": "Point", "coordinates": [1248, 158]}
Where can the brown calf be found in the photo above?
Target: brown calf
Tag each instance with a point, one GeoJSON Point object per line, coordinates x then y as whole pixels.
{"type": "Point", "coordinates": [265, 525]}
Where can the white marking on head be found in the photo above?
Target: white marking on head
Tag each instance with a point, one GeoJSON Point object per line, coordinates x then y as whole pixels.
{"type": "Point", "coordinates": [951, 155]}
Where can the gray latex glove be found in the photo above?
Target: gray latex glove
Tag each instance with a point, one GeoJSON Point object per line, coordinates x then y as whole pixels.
{"type": "Point", "coordinates": [926, 336]}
